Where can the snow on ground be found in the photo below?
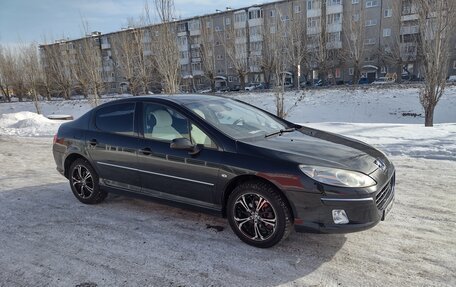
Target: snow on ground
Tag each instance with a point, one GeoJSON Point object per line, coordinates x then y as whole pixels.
{"type": "Point", "coordinates": [27, 124]}
{"type": "Point", "coordinates": [362, 105]}
{"type": "Point", "coordinates": [49, 238]}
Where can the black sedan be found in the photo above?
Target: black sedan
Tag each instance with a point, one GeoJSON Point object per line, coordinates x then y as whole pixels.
{"type": "Point", "coordinates": [219, 155]}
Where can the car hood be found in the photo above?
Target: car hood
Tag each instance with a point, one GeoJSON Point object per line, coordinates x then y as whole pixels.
{"type": "Point", "coordinates": [314, 147]}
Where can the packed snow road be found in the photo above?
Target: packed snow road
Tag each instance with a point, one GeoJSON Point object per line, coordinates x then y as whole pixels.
{"type": "Point", "coordinates": [48, 238]}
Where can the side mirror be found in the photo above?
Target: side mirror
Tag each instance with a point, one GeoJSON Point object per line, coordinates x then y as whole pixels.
{"type": "Point", "coordinates": [185, 144]}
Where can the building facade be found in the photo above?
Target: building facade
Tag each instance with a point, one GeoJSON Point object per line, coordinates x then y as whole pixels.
{"type": "Point", "coordinates": [230, 47]}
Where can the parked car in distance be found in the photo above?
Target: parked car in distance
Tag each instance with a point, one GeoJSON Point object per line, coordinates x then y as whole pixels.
{"type": "Point", "coordinates": [252, 86]}
{"type": "Point", "coordinates": [235, 88]}
{"type": "Point", "coordinates": [219, 155]}
{"type": "Point", "coordinates": [452, 79]}
{"type": "Point", "coordinates": [383, 81]}
{"type": "Point", "coordinates": [363, 81]}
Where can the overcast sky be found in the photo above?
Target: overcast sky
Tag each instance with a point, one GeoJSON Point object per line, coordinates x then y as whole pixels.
{"type": "Point", "coordinates": [35, 20]}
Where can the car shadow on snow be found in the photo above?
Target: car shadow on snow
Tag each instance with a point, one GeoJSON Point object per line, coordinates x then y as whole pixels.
{"type": "Point", "coordinates": [133, 234]}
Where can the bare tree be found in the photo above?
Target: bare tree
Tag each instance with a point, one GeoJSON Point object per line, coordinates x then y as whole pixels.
{"type": "Point", "coordinates": [437, 20]}
{"type": "Point", "coordinates": [354, 28]}
{"type": "Point", "coordinates": [207, 53]}
{"type": "Point", "coordinates": [297, 44]}
{"type": "Point", "coordinates": [165, 46]}
{"type": "Point", "coordinates": [6, 73]}
{"type": "Point", "coordinates": [32, 72]}
{"type": "Point", "coordinates": [57, 65]}
{"type": "Point", "coordinates": [236, 51]}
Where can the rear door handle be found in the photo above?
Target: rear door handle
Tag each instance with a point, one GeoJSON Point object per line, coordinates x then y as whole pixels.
{"type": "Point", "coordinates": [145, 151]}
{"type": "Point", "coordinates": [93, 142]}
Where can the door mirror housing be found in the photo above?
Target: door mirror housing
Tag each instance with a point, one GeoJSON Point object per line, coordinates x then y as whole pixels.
{"type": "Point", "coordinates": [185, 144]}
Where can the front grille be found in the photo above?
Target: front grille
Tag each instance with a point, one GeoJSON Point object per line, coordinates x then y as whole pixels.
{"type": "Point", "coordinates": [384, 196]}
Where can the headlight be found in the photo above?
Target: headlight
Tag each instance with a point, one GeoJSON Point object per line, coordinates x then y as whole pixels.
{"type": "Point", "coordinates": [337, 177]}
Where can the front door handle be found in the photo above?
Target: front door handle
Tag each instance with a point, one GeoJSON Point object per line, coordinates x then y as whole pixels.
{"type": "Point", "coordinates": [93, 142]}
{"type": "Point", "coordinates": [145, 151]}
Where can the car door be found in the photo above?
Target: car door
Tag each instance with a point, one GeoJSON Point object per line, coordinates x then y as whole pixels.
{"type": "Point", "coordinates": [176, 174]}
{"type": "Point", "coordinates": [112, 143]}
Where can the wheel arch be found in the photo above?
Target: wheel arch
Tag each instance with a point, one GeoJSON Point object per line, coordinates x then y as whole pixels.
{"type": "Point", "coordinates": [238, 180]}
{"type": "Point", "coordinates": [69, 160]}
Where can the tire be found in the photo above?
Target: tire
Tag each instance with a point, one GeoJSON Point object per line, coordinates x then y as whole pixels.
{"type": "Point", "coordinates": [84, 183]}
{"type": "Point", "coordinates": [259, 215]}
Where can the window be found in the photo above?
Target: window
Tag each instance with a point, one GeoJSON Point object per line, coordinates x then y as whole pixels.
{"type": "Point", "coordinates": [386, 32]}
{"type": "Point", "coordinates": [373, 3]}
{"type": "Point", "coordinates": [162, 123]}
{"type": "Point", "coordinates": [371, 22]}
{"type": "Point", "coordinates": [351, 71]}
{"type": "Point", "coordinates": [272, 13]}
{"type": "Point", "coordinates": [355, 1]}
{"type": "Point", "coordinates": [297, 9]}
{"type": "Point", "coordinates": [219, 57]}
{"type": "Point", "coordinates": [218, 29]}
{"type": "Point", "coordinates": [117, 118]}
{"type": "Point", "coordinates": [370, 41]}
{"type": "Point", "coordinates": [272, 29]}
{"type": "Point", "coordinates": [313, 22]}
{"type": "Point", "coordinates": [333, 2]}
{"type": "Point", "coordinates": [355, 17]}
{"type": "Point", "coordinates": [337, 73]}
{"type": "Point", "coordinates": [285, 18]}
{"type": "Point", "coordinates": [384, 70]}
{"type": "Point", "coordinates": [255, 14]}
{"type": "Point", "coordinates": [239, 17]}
{"type": "Point", "coordinates": [227, 21]}
{"type": "Point", "coordinates": [313, 4]}
{"type": "Point", "coordinates": [208, 24]}
{"type": "Point", "coordinates": [333, 18]}
{"type": "Point", "coordinates": [235, 119]}
{"type": "Point", "coordinates": [388, 13]}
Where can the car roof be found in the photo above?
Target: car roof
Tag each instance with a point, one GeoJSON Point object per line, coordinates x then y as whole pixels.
{"type": "Point", "coordinates": [178, 98]}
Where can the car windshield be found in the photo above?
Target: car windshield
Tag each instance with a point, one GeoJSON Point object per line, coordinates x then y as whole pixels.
{"type": "Point", "coordinates": [236, 119]}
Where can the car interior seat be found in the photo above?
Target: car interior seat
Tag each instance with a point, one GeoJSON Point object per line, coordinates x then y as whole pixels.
{"type": "Point", "coordinates": [163, 128]}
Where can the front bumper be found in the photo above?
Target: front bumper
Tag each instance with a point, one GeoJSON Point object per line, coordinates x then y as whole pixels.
{"type": "Point", "coordinates": [363, 212]}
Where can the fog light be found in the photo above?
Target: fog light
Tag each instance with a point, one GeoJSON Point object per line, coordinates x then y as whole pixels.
{"type": "Point", "coordinates": [339, 216]}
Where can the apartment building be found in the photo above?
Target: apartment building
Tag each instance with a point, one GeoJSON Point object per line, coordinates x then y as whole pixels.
{"type": "Point", "coordinates": [229, 45]}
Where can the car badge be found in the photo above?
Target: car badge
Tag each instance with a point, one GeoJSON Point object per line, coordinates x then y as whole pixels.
{"type": "Point", "coordinates": [381, 165]}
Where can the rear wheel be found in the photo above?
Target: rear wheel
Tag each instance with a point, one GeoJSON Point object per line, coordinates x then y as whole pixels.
{"type": "Point", "coordinates": [258, 214]}
{"type": "Point", "coordinates": [84, 182]}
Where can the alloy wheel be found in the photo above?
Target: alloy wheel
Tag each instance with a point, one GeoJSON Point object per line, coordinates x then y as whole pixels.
{"type": "Point", "coordinates": [254, 216]}
{"type": "Point", "coordinates": [82, 181]}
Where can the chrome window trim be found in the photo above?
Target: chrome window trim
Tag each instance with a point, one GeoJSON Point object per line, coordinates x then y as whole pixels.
{"type": "Point", "coordinates": [155, 173]}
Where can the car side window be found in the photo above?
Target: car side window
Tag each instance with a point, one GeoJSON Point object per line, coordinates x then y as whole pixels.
{"type": "Point", "coordinates": [198, 136]}
{"type": "Point", "coordinates": [163, 123]}
{"type": "Point", "coordinates": [117, 118]}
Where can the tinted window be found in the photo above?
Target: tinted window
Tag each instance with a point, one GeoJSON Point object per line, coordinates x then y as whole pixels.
{"type": "Point", "coordinates": [116, 118]}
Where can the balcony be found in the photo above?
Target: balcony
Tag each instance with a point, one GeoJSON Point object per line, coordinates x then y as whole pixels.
{"type": "Point", "coordinates": [313, 30]}
{"type": "Point", "coordinates": [408, 30]}
{"type": "Point", "coordinates": [334, 45]}
{"type": "Point", "coordinates": [106, 46]}
{"type": "Point", "coordinates": [410, 17]}
{"type": "Point", "coordinates": [333, 9]}
{"type": "Point", "coordinates": [313, 13]}
{"type": "Point", "coordinates": [332, 28]}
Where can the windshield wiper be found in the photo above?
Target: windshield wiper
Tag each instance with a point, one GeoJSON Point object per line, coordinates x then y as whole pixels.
{"type": "Point", "coordinates": [280, 132]}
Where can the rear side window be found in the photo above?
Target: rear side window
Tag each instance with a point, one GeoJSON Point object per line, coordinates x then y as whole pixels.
{"type": "Point", "coordinates": [118, 118]}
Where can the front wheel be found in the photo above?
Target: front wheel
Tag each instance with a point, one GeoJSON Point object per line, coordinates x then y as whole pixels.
{"type": "Point", "coordinates": [84, 182]}
{"type": "Point", "coordinates": [259, 215]}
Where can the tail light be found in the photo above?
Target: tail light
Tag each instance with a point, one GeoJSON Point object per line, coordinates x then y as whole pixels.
{"type": "Point", "coordinates": [55, 139]}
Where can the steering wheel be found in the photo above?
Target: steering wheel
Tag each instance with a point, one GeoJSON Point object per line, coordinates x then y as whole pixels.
{"type": "Point", "coordinates": [238, 121]}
